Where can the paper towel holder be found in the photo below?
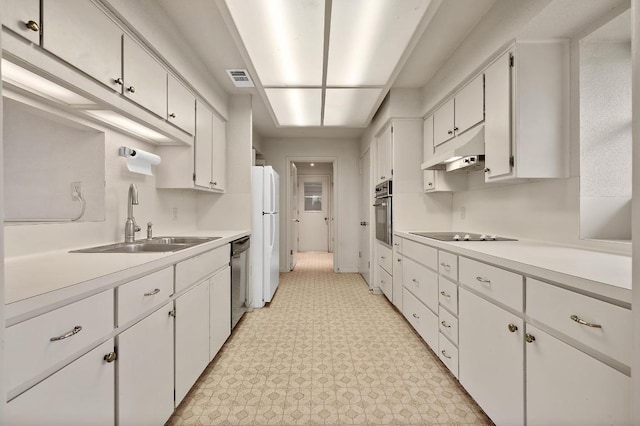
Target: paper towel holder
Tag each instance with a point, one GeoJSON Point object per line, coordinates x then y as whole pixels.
{"type": "Point", "coordinates": [125, 151]}
{"type": "Point", "coordinates": [139, 161]}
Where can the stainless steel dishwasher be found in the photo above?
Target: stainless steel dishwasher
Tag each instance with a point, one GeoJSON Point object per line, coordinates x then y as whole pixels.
{"type": "Point", "coordinates": [239, 279]}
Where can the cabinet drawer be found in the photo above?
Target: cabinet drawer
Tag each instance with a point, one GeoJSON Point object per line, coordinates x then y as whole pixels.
{"type": "Point", "coordinates": [448, 325]}
{"type": "Point", "coordinates": [448, 354]}
{"type": "Point", "coordinates": [386, 283]}
{"type": "Point", "coordinates": [498, 284]}
{"type": "Point", "coordinates": [555, 306]}
{"type": "Point", "coordinates": [422, 282]}
{"type": "Point", "coordinates": [385, 258]}
{"type": "Point", "coordinates": [421, 318]}
{"type": "Point", "coordinates": [195, 269]}
{"type": "Point", "coordinates": [397, 244]}
{"type": "Point", "coordinates": [426, 255]}
{"type": "Point", "coordinates": [28, 346]}
{"type": "Point", "coordinates": [448, 265]}
{"type": "Point", "coordinates": [138, 296]}
{"type": "Point", "coordinates": [448, 295]}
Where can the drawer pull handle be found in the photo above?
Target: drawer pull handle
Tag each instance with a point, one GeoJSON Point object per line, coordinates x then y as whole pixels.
{"type": "Point", "coordinates": [444, 354]}
{"type": "Point", "coordinates": [415, 281]}
{"type": "Point", "coordinates": [445, 294]}
{"type": "Point", "coordinates": [399, 260]}
{"type": "Point", "coordinates": [483, 280]}
{"type": "Point", "coordinates": [382, 257]}
{"type": "Point", "coordinates": [445, 265]}
{"type": "Point", "coordinates": [77, 329]}
{"type": "Point", "coordinates": [444, 324]}
{"type": "Point", "coordinates": [110, 357]}
{"type": "Point", "coordinates": [583, 322]}
{"type": "Point", "coordinates": [512, 328]}
{"type": "Point", "coordinates": [416, 316]}
{"type": "Point", "coordinates": [530, 338]}
{"type": "Point", "coordinates": [152, 292]}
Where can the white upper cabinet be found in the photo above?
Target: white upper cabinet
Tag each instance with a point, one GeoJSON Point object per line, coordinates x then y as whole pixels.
{"type": "Point", "coordinates": [82, 35]}
{"type": "Point", "coordinates": [22, 17]}
{"type": "Point", "coordinates": [385, 152]}
{"type": "Point", "coordinates": [443, 123]}
{"type": "Point", "coordinates": [203, 145]}
{"type": "Point", "coordinates": [219, 152]}
{"type": "Point", "coordinates": [434, 181]}
{"type": "Point", "coordinates": [145, 80]}
{"type": "Point", "coordinates": [469, 105]}
{"type": "Point", "coordinates": [527, 112]}
{"type": "Point", "coordinates": [427, 138]}
{"type": "Point", "coordinates": [181, 105]}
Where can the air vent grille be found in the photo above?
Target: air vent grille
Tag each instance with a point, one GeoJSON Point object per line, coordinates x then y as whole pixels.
{"type": "Point", "coordinates": [240, 78]}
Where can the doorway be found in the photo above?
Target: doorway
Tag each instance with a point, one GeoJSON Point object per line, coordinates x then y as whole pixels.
{"type": "Point", "coordinates": [364, 255]}
{"type": "Point", "coordinates": [311, 221]}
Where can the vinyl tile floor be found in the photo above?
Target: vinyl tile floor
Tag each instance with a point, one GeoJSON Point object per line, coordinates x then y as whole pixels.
{"type": "Point", "coordinates": [325, 351]}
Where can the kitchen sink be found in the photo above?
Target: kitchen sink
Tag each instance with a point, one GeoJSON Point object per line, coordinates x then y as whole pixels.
{"type": "Point", "coordinates": [153, 245]}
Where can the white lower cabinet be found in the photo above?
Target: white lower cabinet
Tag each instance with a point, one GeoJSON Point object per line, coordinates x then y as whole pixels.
{"type": "Point", "coordinates": [491, 358]}
{"type": "Point", "coordinates": [219, 310]}
{"type": "Point", "coordinates": [82, 393]}
{"type": "Point", "coordinates": [397, 276]}
{"type": "Point", "coordinates": [145, 370]}
{"type": "Point", "coordinates": [191, 338]}
{"type": "Point", "coordinates": [566, 386]}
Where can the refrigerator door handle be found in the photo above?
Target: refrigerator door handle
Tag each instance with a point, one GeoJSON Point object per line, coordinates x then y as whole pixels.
{"type": "Point", "coordinates": [273, 230]}
{"type": "Point", "coordinates": [273, 192]}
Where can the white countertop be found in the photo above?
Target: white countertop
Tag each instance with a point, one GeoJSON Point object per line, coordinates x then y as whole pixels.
{"type": "Point", "coordinates": [37, 283]}
{"type": "Point", "coordinates": [605, 275]}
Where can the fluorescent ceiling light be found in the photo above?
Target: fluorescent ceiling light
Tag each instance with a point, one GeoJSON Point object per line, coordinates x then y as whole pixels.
{"type": "Point", "coordinates": [349, 107]}
{"type": "Point", "coordinates": [296, 107]}
{"type": "Point", "coordinates": [284, 38]}
{"type": "Point", "coordinates": [33, 83]}
{"type": "Point", "coordinates": [368, 38]}
{"type": "Point", "coordinates": [130, 126]}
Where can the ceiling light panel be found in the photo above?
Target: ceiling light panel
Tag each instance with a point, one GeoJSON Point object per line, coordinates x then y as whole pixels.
{"type": "Point", "coordinates": [296, 107]}
{"type": "Point", "coordinates": [283, 38]}
{"type": "Point", "coordinates": [349, 107]}
{"type": "Point", "coordinates": [368, 38]}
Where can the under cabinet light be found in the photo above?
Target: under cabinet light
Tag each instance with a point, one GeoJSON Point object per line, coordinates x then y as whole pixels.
{"type": "Point", "coordinates": [128, 125]}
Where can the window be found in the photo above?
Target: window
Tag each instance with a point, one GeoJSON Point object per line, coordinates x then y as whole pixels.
{"type": "Point", "coordinates": [313, 196]}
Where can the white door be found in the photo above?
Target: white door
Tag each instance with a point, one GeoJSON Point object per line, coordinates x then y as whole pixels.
{"type": "Point", "coordinates": [294, 225]}
{"type": "Point", "coordinates": [314, 213]}
{"type": "Point", "coordinates": [365, 210]}
{"type": "Point", "coordinates": [203, 145]}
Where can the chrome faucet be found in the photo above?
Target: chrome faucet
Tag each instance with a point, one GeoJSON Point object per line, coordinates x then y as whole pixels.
{"type": "Point", "coordinates": [130, 226]}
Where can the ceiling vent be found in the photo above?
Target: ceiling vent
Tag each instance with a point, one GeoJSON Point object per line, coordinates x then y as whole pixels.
{"type": "Point", "coordinates": [240, 78]}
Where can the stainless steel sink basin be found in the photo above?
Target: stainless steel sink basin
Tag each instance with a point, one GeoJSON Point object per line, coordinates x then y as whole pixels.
{"type": "Point", "coordinates": [154, 245]}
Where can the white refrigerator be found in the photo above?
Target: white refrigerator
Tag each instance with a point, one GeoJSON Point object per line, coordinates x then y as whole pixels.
{"type": "Point", "coordinates": [265, 246]}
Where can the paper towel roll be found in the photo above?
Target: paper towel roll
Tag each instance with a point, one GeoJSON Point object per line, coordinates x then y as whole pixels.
{"type": "Point", "coordinates": [139, 161]}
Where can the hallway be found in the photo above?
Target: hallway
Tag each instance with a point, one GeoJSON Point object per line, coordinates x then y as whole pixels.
{"type": "Point", "coordinates": [325, 351]}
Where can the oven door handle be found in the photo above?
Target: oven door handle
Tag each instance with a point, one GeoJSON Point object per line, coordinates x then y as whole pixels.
{"type": "Point", "coordinates": [380, 204]}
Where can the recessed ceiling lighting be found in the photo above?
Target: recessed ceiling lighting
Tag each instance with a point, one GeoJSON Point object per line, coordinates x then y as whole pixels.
{"type": "Point", "coordinates": [296, 107]}
{"type": "Point", "coordinates": [349, 107]}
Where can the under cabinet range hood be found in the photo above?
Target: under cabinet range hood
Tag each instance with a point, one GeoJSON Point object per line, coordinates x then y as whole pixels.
{"type": "Point", "coordinates": [465, 153]}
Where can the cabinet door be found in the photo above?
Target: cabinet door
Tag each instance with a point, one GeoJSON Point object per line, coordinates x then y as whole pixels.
{"type": "Point", "coordinates": [219, 153]}
{"type": "Point", "coordinates": [469, 105]}
{"type": "Point", "coordinates": [192, 337]}
{"type": "Point", "coordinates": [145, 80]}
{"type": "Point", "coordinates": [397, 279]}
{"type": "Point", "coordinates": [429, 180]}
{"type": "Point", "coordinates": [81, 34]}
{"type": "Point", "coordinates": [20, 15]}
{"type": "Point", "coordinates": [427, 138]}
{"type": "Point", "coordinates": [498, 146]}
{"type": "Point", "coordinates": [566, 386]}
{"type": "Point", "coordinates": [203, 145]}
{"type": "Point", "coordinates": [145, 370]}
{"type": "Point", "coordinates": [82, 393]}
{"type": "Point", "coordinates": [491, 358]}
{"type": "Point", "coordinates": [384, 148]}
{"type": "Point", "coordinates": [181, 105]}
{"type": "Point", "coordinates": [443, 123]}
{"type": "Point", "coordinates": [219, 310]}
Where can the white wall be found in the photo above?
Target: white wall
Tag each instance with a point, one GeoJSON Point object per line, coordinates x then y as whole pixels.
{"type": "Point", "coordinates": [231, 210]}
{"type": "Point", "coordinates": [346, 151]}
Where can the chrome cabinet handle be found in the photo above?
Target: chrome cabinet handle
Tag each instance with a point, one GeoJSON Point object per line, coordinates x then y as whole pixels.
{"type": "Point", "coordinates": [172, 115]}
{"type": "Point", "coordinates": [172, 313]}
{"type": "Point", "coordinates": [487, 170]}
{"type": "Point", "coordinates": [430, 183]}
{"type": "Point", "coordinates": [444, 354]}
{"type": "Point", "coordinates": [512, 328]}
{"type": "Point", "coordinates": [131, 89]}
{"type": "Point", "coordinates": [444, 324]}
{"type": "Point", "coordinates": [445, 294]}
{"type": "Point", "coordinates": [483, 280]}
{"type": "Point", "coordinates": [450, 132]}
{"type": "Point", "coordinates": [77, 329]}
{"type": "Point", "coordinates": [445, 265]}
{"type": "Point", "coordinates": [416, 316]}
{"type": "Point", "coordinates": [152, 292]}
{"type": "Point", "coordinates": [111, 356]}
{"type": "Point", "coordinates": [118, 80]}
{"type": "Point", "coordinates": [382, 257]}
{"type": "Point", "coordinates": [214, 183]}
{"type": "Point", "coordinates": [583, 322]}
{"type": "Point", "coordinates": [415, 281]}
{"type": "Point", "coordinates": [32, 25]}
{"type": "Point", "coordinates": [455, 129]}
{"type": "Point", "coordinates": [530, 338]}
{"type": "Point", "coordinates": [399, 260]}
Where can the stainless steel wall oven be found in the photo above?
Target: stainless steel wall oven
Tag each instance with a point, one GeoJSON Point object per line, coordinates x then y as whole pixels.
{"type": "Point", "coordinates": [384, 227]}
